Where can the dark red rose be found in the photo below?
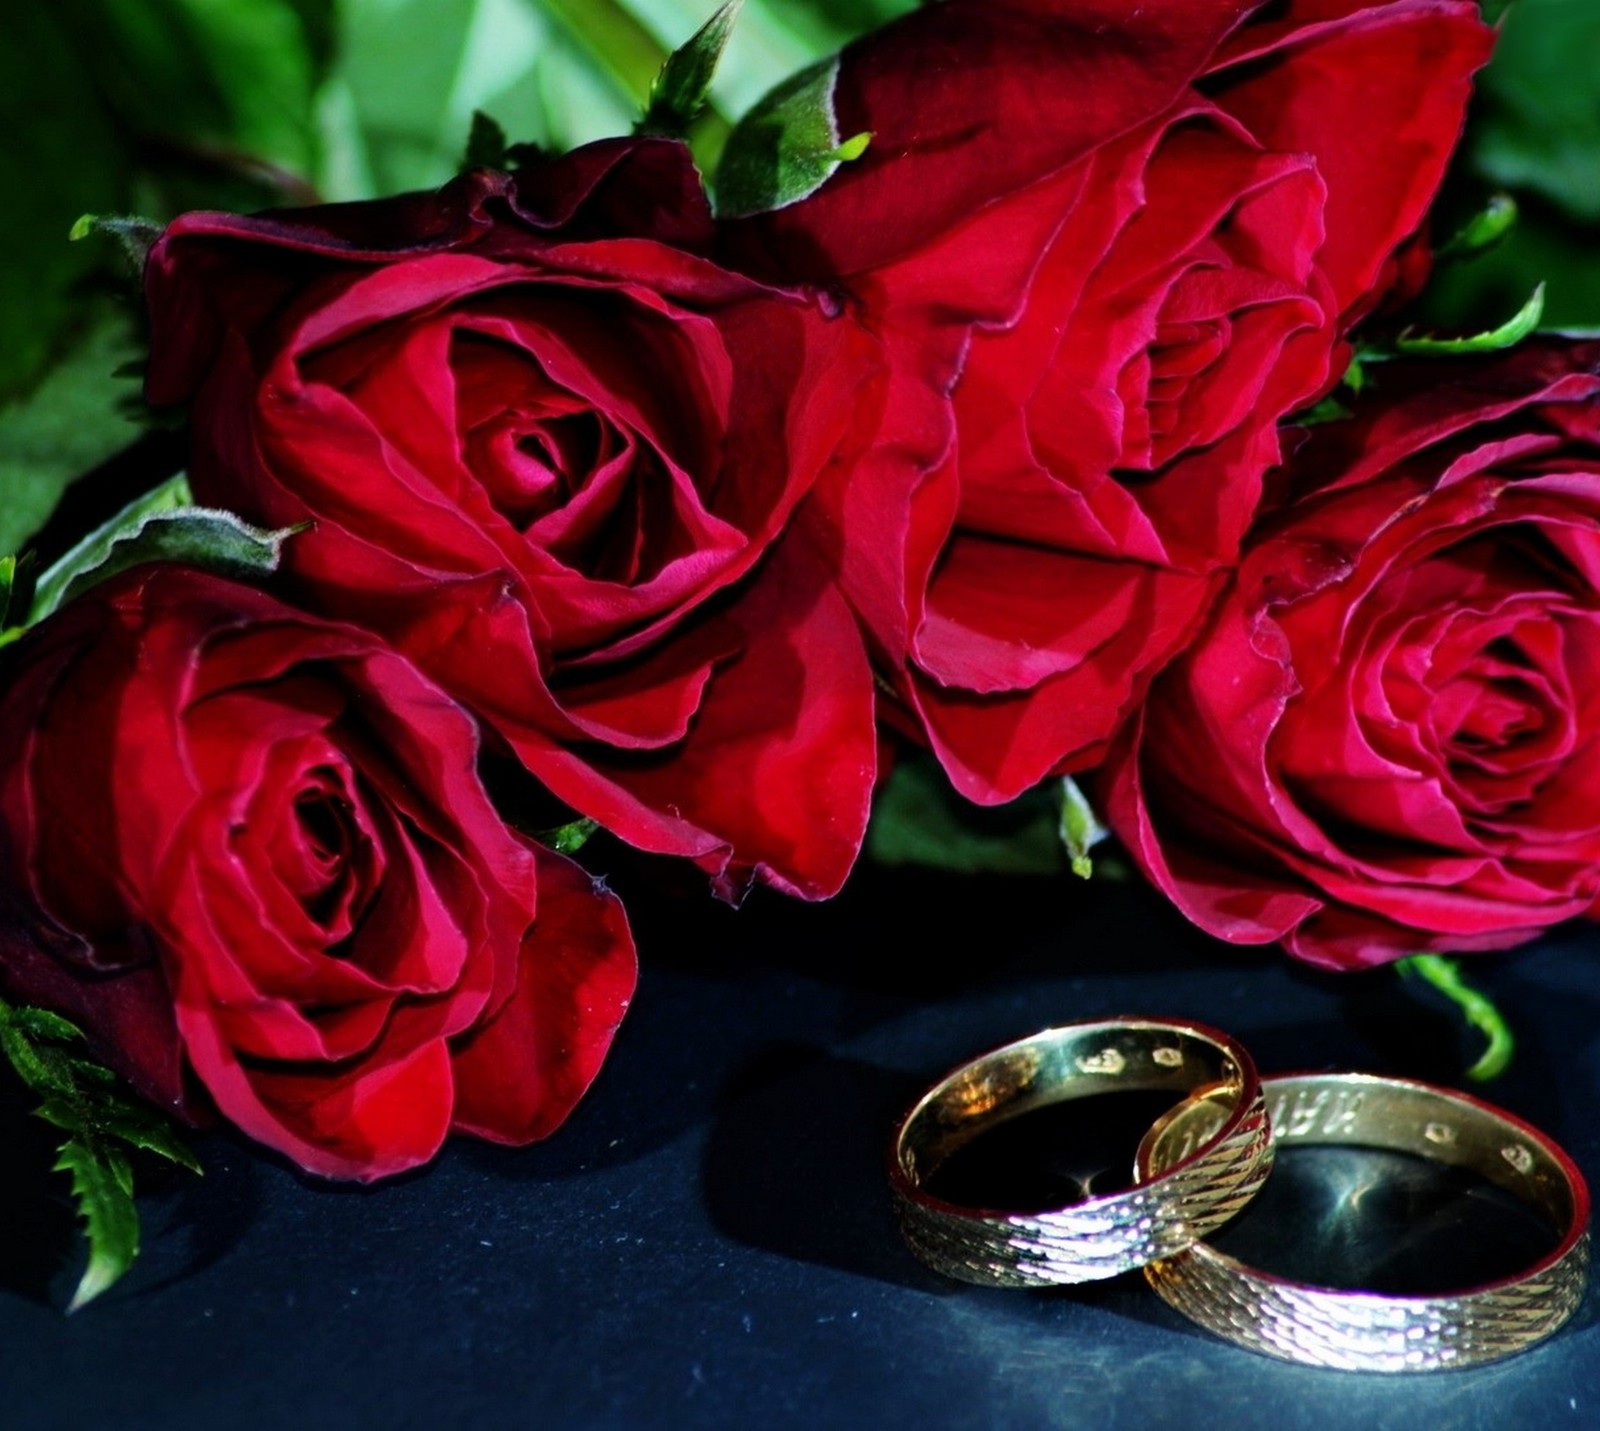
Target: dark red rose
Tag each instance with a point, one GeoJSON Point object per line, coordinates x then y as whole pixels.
{"type": "Point", "coordinates": [253, 844]}
{"type": "Point", "coordinates": [551, 452]}
{"type": "Point", "coordinates": [1385, 740]}
{"type": "Point", "coordinates": [1126, 240]}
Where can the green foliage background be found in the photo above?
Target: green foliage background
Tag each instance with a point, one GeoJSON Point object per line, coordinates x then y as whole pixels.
{"type": "Point", "coordinates": [155, 106]}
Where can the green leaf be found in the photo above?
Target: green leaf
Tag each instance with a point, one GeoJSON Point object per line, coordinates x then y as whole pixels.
{"type": "Point", "coordinates": [82, 1069]}
{"type": "Point", "coordinates": [1507, 335]}
{"type": "Point", "coordinates": [93, 550]}
{"type": "Point", "coordinates": [785, 148]}
{"type": "Point", "coordinates": [1541, 249]}
{"type": "Point", "coordinates": [156, 104]}
{"type": "Point", "coordinates": [1355, 376]}
{"type": "Point", "coordinates": [160, 527]}
{"type": "Point", "coordinates": [1328, 410]}
{"type": "Point", "coordinates": [61, 155]}
{"type": "Point", "coordinates": [39, 1073]}
{"type": "Point", "coordinates": [412, 72]}
{"type": "Point", "coordinates": [918, 819]}
{"type": "Point", "coordinates": [1482, 232]}
{"type": "Point", "coordinates": [61, 1111]}
{"type": "Point", "coordinates": [682, 90]}
{"type": "Point", "coordinates": [1538, 126]}
{"type": "Point", "coordinates": [1479, 1011]}
{"type": "Point", "coordinates": [41, 1024]}
{"type": "Point", "coordinates": [486, 144]}
{"type": "Point", "coordinates": [1534, 130]}
{"type": "Point", "coordinates": [11, 594]}
{"type": "Point", "coordinates": [134, 236]}
{"type": "Point", "coordinates": [204, 76]}
{"type": "Point", "coordinates": [616, 37]}
{"type": "Point", "coordinates": [773, 39]}
{"type": "Point", "coordinates": [1080, 827]}
{"type": "Point", "coordinates": [570, 838]}
{"type": "Point", "coordinates": [83, 1100]}
{"type": "Point", "coordinates": [102, 1185]}
{"type": "Point", "coordinates": [141, 1126]}
{"type": "Point", "coordinates": [67, 426]}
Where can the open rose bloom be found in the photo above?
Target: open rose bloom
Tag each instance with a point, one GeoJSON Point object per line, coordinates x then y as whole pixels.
{"type": "Point", "coordinates": [679, 508]}
{"type": "Point", "coordinates": [552, 452]}
{"type": "Point", "coordinates": [1106, 248]}
{"type": "Point", "coordinates": [249, 852]}
{"type": "Point", "coordinates": [1388, 737]}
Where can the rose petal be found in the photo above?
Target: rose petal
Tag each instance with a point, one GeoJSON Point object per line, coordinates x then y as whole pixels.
{"type": "Point", "coordinates": [519, 1074]}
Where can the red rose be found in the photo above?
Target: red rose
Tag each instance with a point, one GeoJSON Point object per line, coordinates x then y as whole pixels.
{"type": "Point", "coordinates": [550, 451]}
{"type": "Point", "coordinates": [241, 840]}
{"type": "Point", "coordinates": [1385, 740]}
{"type": "Point", "coordinates": [1126, 239]}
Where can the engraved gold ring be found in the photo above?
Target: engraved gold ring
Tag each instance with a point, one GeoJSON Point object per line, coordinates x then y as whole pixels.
{"type": "Point", "coordinates": [1366, 1331]}
{"type": "Point", "coordinates": [1100, 1236]}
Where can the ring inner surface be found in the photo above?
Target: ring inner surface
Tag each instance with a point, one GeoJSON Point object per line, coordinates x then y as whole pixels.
{"type": "Point", "coordinates": [1401, 1190]}
{"type": "Point", "coordinates": [1125, 1059]}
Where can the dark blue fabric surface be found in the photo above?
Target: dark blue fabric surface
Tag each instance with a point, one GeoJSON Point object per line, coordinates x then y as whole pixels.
{"type": "Point", "coordinates": [709, 1241]}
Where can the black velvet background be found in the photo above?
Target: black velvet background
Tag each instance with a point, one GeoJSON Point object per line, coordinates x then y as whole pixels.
{"type": "Point", "coordinates": [709, 1241]}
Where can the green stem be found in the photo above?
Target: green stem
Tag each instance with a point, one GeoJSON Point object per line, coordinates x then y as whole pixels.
{"type": "Point", "coordinates": [1478, 1010]}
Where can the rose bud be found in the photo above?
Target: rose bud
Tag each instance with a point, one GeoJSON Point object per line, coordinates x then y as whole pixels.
{"type": "Point", "coordinates": [1126, 240]}
{"type": "Point", "coordinates": [551, 452]}
{"type": "Point", "coordinates": [1385, 740]}
{"type": "Point", "coordinates": [248, 850]}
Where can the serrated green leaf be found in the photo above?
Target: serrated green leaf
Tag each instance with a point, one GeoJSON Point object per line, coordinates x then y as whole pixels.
{"type": "Point", "coordinates": [64, 1112]}
{"type": "Point", "coordinates": [570, 838]}
{"type": "Point", "coordinates": [785, 148]}
{"type": "Point", "coordinates": [1482, 232]}
{"type": "Point", "coordinates": [1507, 335]}
{"type": "Point", "coordinates": [486, 143]}
{"type": "Point", "coordinates": [85, 1071]}
{"type": "Point", "coordinates": [682, 90]}
{"type": "Point", "coordinates": [39, 1024]}
{"type": "Point", "coordinates": [140, 1126]}
{"type": "Point", "coordinates": [24, 1058]}
{"type": "Point", "coordinates": [1080, 827]}
{"type": "Point", "coordinates": [917, 819]}
{"type": "Point", "coordinates": [159, 527]}
{"type": "Point", "coordinates": [84, 1100]}
{"type": "Point", "coordinates": [102, 1186]}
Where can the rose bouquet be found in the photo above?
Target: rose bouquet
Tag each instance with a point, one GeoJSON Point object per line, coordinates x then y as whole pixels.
{"type": "Point", "coordinates": [1023, 390]}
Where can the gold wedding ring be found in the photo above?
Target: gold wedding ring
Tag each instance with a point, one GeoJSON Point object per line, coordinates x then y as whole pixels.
{"type": "Point", "coordinates": [1368, 1331]}
{"type": "Point", "coordinates": [1100, 1236]}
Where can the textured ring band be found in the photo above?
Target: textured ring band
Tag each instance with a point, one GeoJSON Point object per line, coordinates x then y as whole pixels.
{"type": "Point", "coordinates": [1366, 1331]}
{"type": "Point", "coordinates": [1101, 1236]}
